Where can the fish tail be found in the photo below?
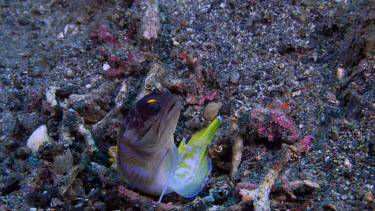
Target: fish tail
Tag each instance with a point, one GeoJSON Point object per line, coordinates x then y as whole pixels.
{"type": "Point", "coordinates": [204, 136]}
{"type": "Point", "coordinates": [194, 166]}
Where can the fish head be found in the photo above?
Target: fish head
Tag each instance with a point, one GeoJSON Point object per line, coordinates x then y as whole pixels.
{"type": "Point", "coordinates": [149, 125]}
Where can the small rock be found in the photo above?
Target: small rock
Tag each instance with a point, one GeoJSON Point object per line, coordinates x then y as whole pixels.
{"type": "Point", "coordinates": [23, 21]}
{"type": "Point", "coordinates": [99, 206]}
{"type": "Point", "coordinates": [229, 11]}
{"type": "Point", "coordinates": [66, 90]}
{"type": "Point", "coordinates": [23, 152]}
{"type": "Point", "coordinates": [370, 43]}
{"type": "Point", "coordinates": [311, 184]}
{"type": "Point", "coordinates": [55, 202]}
{"type": "Point", "coordinates": [65, 182]}
{"type": "Point", "coordinates": [234, 77]}
{"type": "Point", "coordinates": [38, 199]}
{"type": "Point", "coordinates": [94, 113]}
{"type": "Point", "coordinates": [190, 112]}
{"type": "Point", "coordinates": [204, 9]}
{"type": "Point", "coordinates": [79, 203]}
{"type": "Point", "coordinates": [329, 207]}
{"type": "Point", "coordinates": [368, 197]}
{"type": "Point", "coordinates": [331, 98]}
{"type": "Point", "coordinates": [78, 106]}
{"type": "Point", "coordinates": [63, 163]}
{"type": "Point", "coordinates": [11, 144]}
{"type": "Point", "coordinates": [60, 35]}
{"type": "Point", "coordinates": [192, 123]}
{"type": "Point", "coordinates": [302, 18]}
{"type": "Point", "coordinates": [347, 162]}
{"type": "Point", "coordinates": [3, 156]}
{"type": "Point", "coordinates": [296, 93]}
{"type": "Point", "coordinates": [71, 29]}
{"type": "Point", "coordinates": [106, 67]}
{"type": "Point", "coordinates": [9, 184]}
{"type": "Point", "coordinates": [37, 138]}
{"type": "Point", "coordinates": [344, 197]}
{"type": "Point", "coordinates": [95, 195]}
{"type": "Point", "coordinates": [36, 71]}
{"type": "Point", "coordinates": [50, 95]}
{"type": "Point", "coordinates": [211, 110]}
{"type": "Point", "coordinates": [340, 73]}
{"type": "Point", "coordinates": [249, 92]}
{"type": "Point", "coordinates": [68, 72]}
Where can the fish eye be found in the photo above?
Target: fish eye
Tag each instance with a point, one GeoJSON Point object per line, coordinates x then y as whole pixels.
{"type": "Point", "coordinates": [153, 107]}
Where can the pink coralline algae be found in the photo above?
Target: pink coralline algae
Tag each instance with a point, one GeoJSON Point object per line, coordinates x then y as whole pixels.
{"type": "Point", "coordinates": [36, 96]}
{"type": "Point", "coordinates": [104, 35]}
{"type": "Point", "coordinates": [121, 67]}
{"type": "Point", "coordinates": [273, 124]}
{"type": "Point", "coordinates": [192, 99]}
{"type": "Point", "coordinates": [303, 145]}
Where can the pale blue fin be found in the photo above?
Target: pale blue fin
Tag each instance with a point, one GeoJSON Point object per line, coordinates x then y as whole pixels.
{"type": "Point", "coordinates": [194, 166]}
{"type": "Point", "coordinates": [169, 164]}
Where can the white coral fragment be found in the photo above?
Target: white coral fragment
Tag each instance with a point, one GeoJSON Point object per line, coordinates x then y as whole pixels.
{"type": "Point", "coordinates": [37, 138]}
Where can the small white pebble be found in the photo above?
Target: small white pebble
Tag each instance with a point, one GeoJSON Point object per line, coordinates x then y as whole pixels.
{"type": "Point", "coordinates": [60, 35]}
{"type": "Point", "coordinates": [296, 94]}
{"type": "Point", "coordinates": [71, 28]}
{"type": "Point", "coordinates": [69, 72]}
{"type": "Point", "coordinates": [347, 162]}
{"type": "Point", "coordinates": [106, 66]}
{"type": "Point", "coordinates": [50, 96]}
{"type": "Point", "coordinates": [340, 73]}
{"type": "Point", "coordinates": [175, 42]}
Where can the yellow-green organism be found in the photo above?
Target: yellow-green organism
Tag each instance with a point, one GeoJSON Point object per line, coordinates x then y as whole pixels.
{"type": "Point", "coordinates": [148, 158]}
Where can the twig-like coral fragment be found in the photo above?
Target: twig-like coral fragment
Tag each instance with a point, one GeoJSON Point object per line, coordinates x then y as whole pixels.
{"type": "Point", "coordinates": [237, 141]}
{"type": "Point", "coordinates": [90, 142]}
{"type": "Point", "coordinates": [151, 20]}
{"type": "Point", "coordinates": [144, 202]}
{"type": "Point", "coordinates": [237, 153]}
{"type": "Point", "coordinates": [120, 101]}
{"type": "Point", "coordinates": [260, 196]}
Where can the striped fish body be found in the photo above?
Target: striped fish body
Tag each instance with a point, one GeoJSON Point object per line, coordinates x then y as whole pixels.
{"type": "Point", "coordinates": [147, 156]}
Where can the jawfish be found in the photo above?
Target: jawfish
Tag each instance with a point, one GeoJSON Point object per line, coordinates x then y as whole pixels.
{"type": "Point", "coordinates": [147, 157]}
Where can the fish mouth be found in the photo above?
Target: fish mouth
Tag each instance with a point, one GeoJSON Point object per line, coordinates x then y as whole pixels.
{"type": "Point", "coordinates": [168, 122]}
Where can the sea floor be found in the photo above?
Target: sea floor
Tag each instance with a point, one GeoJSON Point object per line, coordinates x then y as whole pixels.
{"type": "Point", "coordinates": [292, 80]}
